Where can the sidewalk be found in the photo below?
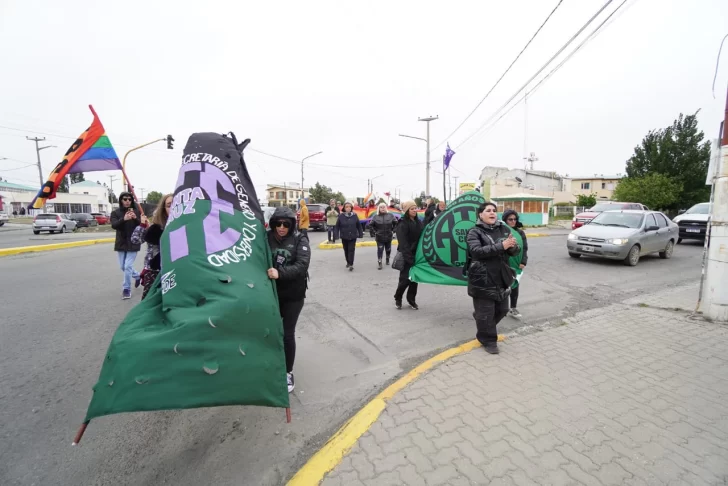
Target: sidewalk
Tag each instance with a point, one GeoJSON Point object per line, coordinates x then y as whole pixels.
{"type": "Point", "coordinates": [628, 394]}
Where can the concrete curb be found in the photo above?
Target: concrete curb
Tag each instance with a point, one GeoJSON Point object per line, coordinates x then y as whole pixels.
{"type": "Point", "coordinates": [324, 245]}
{"type": "Point", "coordinates": [336, 448]}
{"type": "Point", "coordinates": [53, 246]}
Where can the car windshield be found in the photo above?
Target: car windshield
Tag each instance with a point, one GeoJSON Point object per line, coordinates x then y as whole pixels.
{"type": "Point", "coordinates": [606, 207]}
{"type": "Point", "coordinates": [703, 208]}
{"type": "Point", "coordinates": [618, 219]}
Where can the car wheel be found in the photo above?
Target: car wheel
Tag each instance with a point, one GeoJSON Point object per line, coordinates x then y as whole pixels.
{"type": "Point", "coordinates": [633, 257]}
{"type": "Point", "coordinates": [574, 255]}
{"type": "Point", "coordinates": [679, 240]}
{"type": "Point", "coordinates": [36, 232]}
{"type": "Point", "coordinates": [668, 251]}
{"type": "Point", "coordinates": [63, 229]}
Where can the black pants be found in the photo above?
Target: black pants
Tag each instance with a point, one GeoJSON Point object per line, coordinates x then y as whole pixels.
{"type": "Point", "coordinates": [332, 234]}
{"type": "Point", "coordinates": [406, 284]}
{"type": "Point", "coordinates": [514, 297]}
{"type": "Point", "coordinates": [383, 246]}
{"type": "Point", "coordinates": [289, 313]}
{"type": "Point", "coordinates": [488, 313]}
{"type": "Point", "coordinates": [349, 249]}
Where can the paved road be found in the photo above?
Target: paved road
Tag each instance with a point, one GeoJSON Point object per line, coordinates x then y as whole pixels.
{"type": "Point", "coordinates": [61, 308]}
{"type": "Point", "coordinates": [16, 235]}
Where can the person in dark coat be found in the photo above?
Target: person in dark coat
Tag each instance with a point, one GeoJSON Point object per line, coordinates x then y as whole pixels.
{"type": "Point", "coordinates": [517, 262]}
{"type": "Point", "coordinates": [349, 229]}
{"type": "Point", "coordinates": [291, 257]}
{"type": "Point", "coordinates": [124, 220]}
{"type": "Point", "coordinates": [382, 224]}
{"type": "Point", "coordinates": [490, 244]}
{"type": "Point", "coordinates": [409, 230]}
{"type": "Point", "coordinates": [430, 211]}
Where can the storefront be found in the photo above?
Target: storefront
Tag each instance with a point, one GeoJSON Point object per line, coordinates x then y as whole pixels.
{"type": "Point", "coordinates": [532, 210]}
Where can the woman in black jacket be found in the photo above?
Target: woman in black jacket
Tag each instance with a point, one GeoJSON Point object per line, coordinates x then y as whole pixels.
{"type": "Point", "coordinates": [517, 262]}
{"type": "Point", "coordinates": [382, 224]}
{"type": "Point", "coordinates": [490, 244]}
{"type": "Point", "coordinates": [349, 229]}
{"type": "Point", "coordinates": [409, 230]}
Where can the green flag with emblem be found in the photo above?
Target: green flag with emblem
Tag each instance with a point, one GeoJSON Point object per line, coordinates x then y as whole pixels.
{"type": "Point", "coordinates": [443, 249]}
{"type": "Point", "coordinates": [209, 333]}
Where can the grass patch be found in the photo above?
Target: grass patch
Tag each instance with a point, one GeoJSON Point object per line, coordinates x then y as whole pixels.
{"type": "Point", "coordinates": [563, 323]}
{"type": "Point", "coordinates": [642, 304]}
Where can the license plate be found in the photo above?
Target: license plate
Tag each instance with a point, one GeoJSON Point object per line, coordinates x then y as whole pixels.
{"type": "Point", "coordinates": [693, 230]}
{"type": "Point", "coordinates": [587, 248]}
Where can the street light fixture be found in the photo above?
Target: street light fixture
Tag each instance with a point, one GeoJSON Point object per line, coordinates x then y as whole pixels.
{"type": "Point", "coordinates": [302, 160]}
{"type": "Point", "coordinates": [370, 183]}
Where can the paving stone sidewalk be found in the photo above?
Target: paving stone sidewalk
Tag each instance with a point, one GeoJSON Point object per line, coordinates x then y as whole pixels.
{"type": "Point", "coordinates": [628, 394]}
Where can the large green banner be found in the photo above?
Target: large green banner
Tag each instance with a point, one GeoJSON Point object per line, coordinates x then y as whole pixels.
{"type": "Point", "coordinates": [209, 333]}
{"type": "Point", "coordinates": [442, 250]}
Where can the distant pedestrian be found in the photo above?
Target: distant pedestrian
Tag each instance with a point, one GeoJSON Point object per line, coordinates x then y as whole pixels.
{"type": "Point", "coordinates": [152, 236]}
{"type": "Point", "coordinates": [124, 220]}
{"type": "Point", "coordinates": [303, 220]}
{"type": "Point", "coordinates": [517, 262]}
{"type": "Point", "coordinates": [430, 211]}
{"type": "Point", "coordinates": [409, 230]}
{"type": "Point", "coordinates": [291, 257]}
{"type": "Point", "coordinates": [490, 244]}
{"type": "Point", "coordinates": [15, 213]}
{"type": "Point", "coordinates": [349, 229]}
{"type": "Point", "coordinates": [439, 209]}
{"type": "Point", "coordinates": [332, 215]}
{"type": "Point", "coordinates": [382, 224]}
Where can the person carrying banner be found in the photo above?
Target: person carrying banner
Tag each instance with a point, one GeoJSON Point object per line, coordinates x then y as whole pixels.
{"type": "Point", "coordinates": [382, 224]}
{"type": "Point", "coordinates": [291, 257]}
{"type": "Point", "coordinates": [152, 235]}
{"type": "Point", "coordinates": [349, 229]}
{"type": "Point", "coordinates": [490, 244]}
{"type": "Point", "coordinates": [517, 262]}
{"type": "Point", "coordinates": [124, 220]}
{"type": "Point", "coordinates": [409, 230]}
{"type": "Point", "coordinates": [332, 214]}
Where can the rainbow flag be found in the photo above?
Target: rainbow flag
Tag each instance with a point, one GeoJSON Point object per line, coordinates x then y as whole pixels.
{"type": "Point", "coordinates": [92, 151]}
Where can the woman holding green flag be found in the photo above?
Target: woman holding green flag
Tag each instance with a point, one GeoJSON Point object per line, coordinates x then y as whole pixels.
{"type": "Point", "coordinates": [517, 262]}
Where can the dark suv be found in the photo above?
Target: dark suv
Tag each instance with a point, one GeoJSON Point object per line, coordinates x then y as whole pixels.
{"type": "Point", "coordinates": [84, 220]}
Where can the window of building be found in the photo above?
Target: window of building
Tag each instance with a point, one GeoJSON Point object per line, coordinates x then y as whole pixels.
{"type": "Point", "coordinates": [586, 185]}
{"type": "Point", "coordinates": [610, 186]}
{"type": "Point", "coordinates": [290, 194]}
{"type": "Point", "coordinates": [532, 206]}
{"type": "Point", "coordinates": [604, 185]}
{"type": "Point", "coordinates": [280, 195]}
{"type": "Point", "coordinates": [272, 194]}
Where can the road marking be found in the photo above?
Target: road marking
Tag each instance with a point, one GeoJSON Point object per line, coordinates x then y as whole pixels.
{"type": "Point", "coordinates": [336, 448]}
{"type": "Point", "coordinates": [53, 246]}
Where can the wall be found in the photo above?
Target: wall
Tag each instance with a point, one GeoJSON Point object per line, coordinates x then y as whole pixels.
{"type": "Point", "coordinates": [501, 181]}
{"type": "Point", "coordinates": [595, 187]}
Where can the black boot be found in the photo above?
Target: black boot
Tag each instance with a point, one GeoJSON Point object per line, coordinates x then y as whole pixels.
{"type": "Point", "coordinates": [387, 260]}
{"type": "Point", "coordinates": [380, 264]}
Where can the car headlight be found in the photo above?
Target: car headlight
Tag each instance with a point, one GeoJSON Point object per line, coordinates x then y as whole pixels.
{"type": "Point", "coordinates": [618, 241]}
{"type": "Point", "coordinates": [574, 218]}
{"type": "Point", "coordinates": [572, 236]}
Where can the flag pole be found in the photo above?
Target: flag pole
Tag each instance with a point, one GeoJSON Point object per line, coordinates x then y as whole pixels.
{"type": "Point", "coordinates": [79, 434]}
{"type": "Point", "coordinates": [444, 170]}
{"type": "Point", "coordinates": [288, 415]}
{"type": "Point", "coordinates": [131, 188]}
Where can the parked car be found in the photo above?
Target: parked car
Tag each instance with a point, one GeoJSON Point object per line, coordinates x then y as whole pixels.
{"type": "Point", "coordinates": [84, 220]}
{"type": "Point", "coordinates": [102, 218]}
{"type": "Point", "coordinates": [316, 217]}
{"type": "Point", "coordinates": [693, 223]}
{"type": "Point", "coordinates": [583, 218]}
{"type": "Point", "coordinates": [624, 235]}
{"type": "Point", "coordinates": [267, 213]}
{"type": "Point", "coordinates": [4, 218]}
{"type": "Point", "coordinates": [53, 222]}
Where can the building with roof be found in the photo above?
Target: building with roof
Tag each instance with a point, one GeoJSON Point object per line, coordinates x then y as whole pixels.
{"type": "Point", "coordinates": [600, 185]}
{"type": "Point", "coordinates": [84, 199]}
{"type": "Point", "coordinates": [286, 194]}
{"type": "Point", "coordinates": [502, 181]}
{"type": "Point", "coordinates": [94, 189]}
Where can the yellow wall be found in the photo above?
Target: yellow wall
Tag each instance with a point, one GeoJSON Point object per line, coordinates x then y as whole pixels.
{"type": "Point", "coordinates": [595, 187]}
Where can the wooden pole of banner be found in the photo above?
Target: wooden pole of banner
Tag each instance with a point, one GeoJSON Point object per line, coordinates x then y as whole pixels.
{"type": "Point", "coordinates": [79, 434]}
{"type": "Point", "coordinates": [288, 415]}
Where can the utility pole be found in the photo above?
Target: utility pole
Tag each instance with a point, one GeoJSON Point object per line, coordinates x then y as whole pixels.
{"type": "Point", "coordinates": [531, 159]}
{"type": "Point", "coordinates": [142, 189]}
{"type": "Point", "coordinates": [457, 188]}
{"type": "Point", "coordinates": [37, 153]}
{"type": "Point", "coordinates": [427, 178]}
{"type": "Point", "coordinates": [715, 290]}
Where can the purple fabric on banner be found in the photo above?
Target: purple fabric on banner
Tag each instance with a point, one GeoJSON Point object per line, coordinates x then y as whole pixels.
{"type": "Point", "coordinates": [447, 157]}
{"type": "Point", "coordinates": [92, 165]}
{"type": "Point", "coordinates": [178, 243]}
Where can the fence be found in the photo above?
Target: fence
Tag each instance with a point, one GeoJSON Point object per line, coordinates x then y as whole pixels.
{"type": "Point", "coordinates": [567, 211]}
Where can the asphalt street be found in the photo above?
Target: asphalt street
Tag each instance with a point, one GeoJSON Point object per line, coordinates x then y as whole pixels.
{"type": "Point", "coordinates": [17, 235]}
{"type": "Point", "coordinates": [60, 309]}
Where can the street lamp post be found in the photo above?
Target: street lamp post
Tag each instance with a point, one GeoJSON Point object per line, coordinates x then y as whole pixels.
{"type": "Point", "coordinates": [370, 184]}
{"type": "Point", "coordinates": [427, 153]}
{"type": "Point", "coordinates": [302, 160]}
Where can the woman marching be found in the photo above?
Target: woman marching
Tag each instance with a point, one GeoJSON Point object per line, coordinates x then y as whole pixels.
{"type": "Point", "coordinates": [517, 262]}
{"type": "Point", "coordinates": [349, 229]}
{"type": "Point", "coordinates": [382, 224]}
{"type": "Point", "coordinates": [490, 244]}
{"type": "Point", "coordinates": [409, 230]}
{"type": "Point", "coordinates": [152, 236]}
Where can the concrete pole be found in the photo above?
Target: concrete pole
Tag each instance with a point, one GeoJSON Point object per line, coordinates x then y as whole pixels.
{"type": "Point", "coordinates": [427, 162]}
{"type": "Point", "coordinates": [715, 290]}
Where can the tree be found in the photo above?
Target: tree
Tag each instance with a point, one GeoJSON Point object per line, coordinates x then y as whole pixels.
{"type": "Point", "coordinates": [64, 185]}
{"type": "Point", "coordinates": [656, 191]}
{"type": "Point", "coordinates": [112, 198]}
{"type": "Point", "coordinates": [586, 201]}
{"type": "Point", "coordinates": [678, 152]}
{"type": "Point", "coordinates": [77, 178]}
{"type": "Point", "coordinates": [154, 197]}
{"type": "Point", "coordinates": [323, 194]}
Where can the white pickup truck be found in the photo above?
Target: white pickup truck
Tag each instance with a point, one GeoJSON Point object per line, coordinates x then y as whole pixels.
{"type": "Point", "coordinates": [4, 218]}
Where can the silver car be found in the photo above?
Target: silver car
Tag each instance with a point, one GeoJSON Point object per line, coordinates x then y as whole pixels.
{"type": "Point", "coordinates": [624, 235]}
{"type": "Point", "coordinates": [53, 222]}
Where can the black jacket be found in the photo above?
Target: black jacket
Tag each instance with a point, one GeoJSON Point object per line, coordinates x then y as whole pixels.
{"type": "Point", "coordinates": [519, 226]}
{"type": "Point", "coordinates": [430, 213]}
{"type": "Point", "coordinates": [488, 269]}
{"type": "Point", "coordinates": [291, 257]}
{"type": "Point", "coordinates": [124, 229]}
{"type": "Point", "coordinates": [383, 226]}
{"type": "Point", "coordinates": [408, 236]}
{"type": "Point", "coordinates": [349, 226]}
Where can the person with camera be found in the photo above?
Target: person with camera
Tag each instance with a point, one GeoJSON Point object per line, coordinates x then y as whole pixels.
{"type": "Point", "coordinates": [124, 220]}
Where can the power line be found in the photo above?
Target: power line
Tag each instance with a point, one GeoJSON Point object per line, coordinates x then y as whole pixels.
{"type": "Point", "coordinates": [502, 76]}
{"type": "Point", "coordinates": [538, 72]}
{"type": "Point", "coordinates": [17, 168]}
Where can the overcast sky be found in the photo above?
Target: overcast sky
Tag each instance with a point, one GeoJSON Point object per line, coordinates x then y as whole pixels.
{"type": "Point", "coordinates": [346, 78]}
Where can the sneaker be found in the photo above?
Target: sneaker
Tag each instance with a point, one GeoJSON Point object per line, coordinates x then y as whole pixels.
{"type": "Point", "coordinates": [291, 382]}
{"type": "Point", "coordinates": [515, 314]}
{"type": "Point", "coordinates": [137, 282]}
{"type": "Point", "coordinates": [398, 304]}
{"type": "Point", "coordinates": [414, 305]}
{"type": "Point", "coordinates": [380, 264]}
{"type": "Point", "coordinates": [492, 348]}
{"type": "Point", "coordinates": [125, 294]}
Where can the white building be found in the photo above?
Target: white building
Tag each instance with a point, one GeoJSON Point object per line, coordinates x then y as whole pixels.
{"type": "Point", "coordinates": [100, 191]}
{"type": "Point", "coordinates": [502, 181]}
{"type": "Point", "coordinates": [16, 196]}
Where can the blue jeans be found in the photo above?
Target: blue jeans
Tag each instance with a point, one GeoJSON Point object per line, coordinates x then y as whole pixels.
{"type": "Point", "coordinates": [126, 262]}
